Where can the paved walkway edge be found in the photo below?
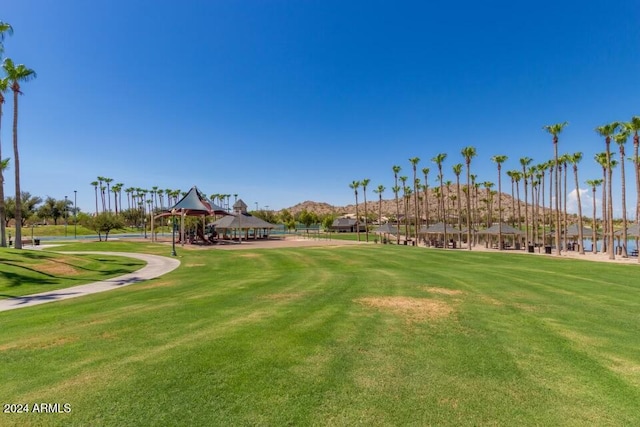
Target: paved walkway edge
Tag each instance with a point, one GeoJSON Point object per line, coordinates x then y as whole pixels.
{"type": "Point", "coordinates": [156, 266]}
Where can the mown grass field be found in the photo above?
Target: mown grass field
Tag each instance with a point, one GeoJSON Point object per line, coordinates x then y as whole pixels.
{"type": "Point", "coordinates": [29, 272]}
{"type": "Point", "coordinates": [377, 334]}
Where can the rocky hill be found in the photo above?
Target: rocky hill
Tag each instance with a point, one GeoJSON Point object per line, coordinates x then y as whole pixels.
{"type": "Point", "coordinates": [388, 206]}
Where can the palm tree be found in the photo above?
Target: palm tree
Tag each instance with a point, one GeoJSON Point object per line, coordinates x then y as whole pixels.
{"type": "Point", "coordinates": [4, 29]}
{"type": "Point", "coordinates": [517, 176]}
{"type": "Point", "coordinates": [404, 200]}
{"type": "Point", "coordinates": [634, 126]}
{"type": "Point", "coordinates": [425, 188]}
{"type": "Point", "coordinates": [499, 160]}
{"type": "Point", "coordinates": [4, 86]}
{"type": "Point", "coordinates": [554, 130]}
{"type": "Point", "coordinates": [512, 174]}
{"type": "Point", "coordinates": [95, 187]}
{"type": "Point", "coordinates": [575, 159]}
{"type": "Point", "coordinates": [354, 186]}
{"type": "Point", "coordinates": [364, 184]}
{"type": "Point", "coordinates": [414, 164]}
{"type": "Point", "coordinates": [564, 159]}
{"type": "Point", "coordinates": [396, 189]}
{"type": "Point", "coordinates": [379, 192]}
{"type": "Point", "coordinates": [17, 74]}
{"type": "Point", "coordinates": [621, 139]}
{"type": "Point", "coordinates": [607, 132]}
{"type": "Point", "coordinates": [524, 162]}
{"type": "Point", "coordinates": [601, 159]}
{"type": "Point", "coordinates": [108, 181]}
{"type": "Point", "coordinates": [4, 164]}
{"type": "Point", "coordinates": [594, 236]}
{"type": "Point", "coordinates": [468, 153]}
{"type": "Point", "coordinates": [438, 159]}
{"type": "Point", "coordinates": [457, 170]}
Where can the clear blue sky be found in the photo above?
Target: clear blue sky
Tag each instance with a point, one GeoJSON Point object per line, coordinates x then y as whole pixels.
{"type": "Point", "coordinates": [285, 101]}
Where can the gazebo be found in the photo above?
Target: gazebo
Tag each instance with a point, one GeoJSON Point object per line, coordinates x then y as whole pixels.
{"type": "Point", "coordinates": [240, 222]}
{"type": "Point", "coordinates": [194, 203]}
{"type": "Point", "coordinates": [385, 230]}
{"type": "Point", "coordinates": [438, 229]}
{"type": "Point", "coordinates": [505, 230]}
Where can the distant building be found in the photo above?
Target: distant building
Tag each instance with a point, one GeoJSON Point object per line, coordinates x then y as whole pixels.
{"type": "Point", "coordinates": [346, 225]}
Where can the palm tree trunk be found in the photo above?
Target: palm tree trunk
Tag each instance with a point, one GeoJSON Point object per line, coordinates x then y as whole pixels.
{"type": "Point", "coordinates": [580, 236]}
{"type": "Point", "coordinates": [557, 204]}
{"type": "Point", "coordinates": [605, 217]}
{"type": "Point", "coordinates": [564, 196]}
{"type": "Point", "coordinates": [16, 167]}
{"type": "Point", "coordinates": [624, 205]}
{"type": "Point", "coordinates": [612, 254]}
{"type": "Point", "coordinates": [594, 225]}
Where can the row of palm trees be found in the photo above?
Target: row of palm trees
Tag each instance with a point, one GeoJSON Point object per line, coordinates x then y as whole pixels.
{"type": "Point", "coordinates": [14, 75]}
{"type": "Point", "coordinates": [533, 178]}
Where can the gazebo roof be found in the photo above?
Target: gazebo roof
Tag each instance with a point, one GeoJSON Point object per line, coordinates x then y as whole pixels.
{"type": "Point", "coordinates": [504, 229]}
{"type": "Point", "coordinates": [573, 231]}
{"type": "Point", "coordinates": [632, 231]}
{"type": "Point", "coordinates": [438, 228]}
{"type": "Point", "coordinates": [194, 202]}
{"type": "Point", "coordinates": [241, 221]}
{"type": "Point", "coordinates": [386, 229]}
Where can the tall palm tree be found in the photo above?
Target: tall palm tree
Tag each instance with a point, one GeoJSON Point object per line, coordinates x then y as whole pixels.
{"type": "Point", "coordinates": [499, 159]}
{"type": "Point", "coordinates": [457, 170]}
{"type": "Point", "coordinates": [396, 190]}
{"type": "Point", "coordinates": [601, 159]}
{"type": "Point", "coordinates": [354, 186]}
{"type": "Point", "coordinates": [364, 184]}
{"type": "Point", "coordinates": [438, 160]}
{"type": "Point", "coordinates": [554, 130]}
{"type": "Point", "coordinates": [607, 132]}
{"type": "Point", "coordinates": [468, 153]}
{"type": "Point", "coordinates": [414, 165]}
{"type": "Point", "coordinates": [593, 183]}
{"type": "Point", "coordinates": [575, 159]}
{"type": "Point", "coordinates": [17, 74]}
{"type": "Point", "coordinates": [404, 204]}
{"type": "Point", "coordinates": [517, 176]}
{"type": "Point", "coordinates": [633, 126]}
{"type": "Point", "coordinates": [511, 174]}
{"type": "Point", "coordinates": [396, 171]}
{"type": "Point", "coordinates": [524, 162]}
{"type": "Point", "coordinates": [564, 159]}
{"type": "Point", "coordinates": [4, 86]}
{"type": "Point", "coordinates": [425, 187]}
{"type": "Point", "coordinates": [621, 139]}
{"type": "Point", "coordinates": [95, 188]}
{"type": "Point", "coordinates": [4, 164]}
{"type": "Point", "coordinates": [379, 192]}
{"type": "Point", "coordinates": [108, 181]}
{"type": "Point", "coordinates": [541, 173]}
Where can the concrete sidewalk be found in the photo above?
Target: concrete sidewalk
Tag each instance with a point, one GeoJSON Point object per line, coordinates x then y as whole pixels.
{"type": "Point", "coordinates": [156, 266]}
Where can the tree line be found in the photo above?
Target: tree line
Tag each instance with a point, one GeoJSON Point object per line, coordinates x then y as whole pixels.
{"type": "Point", "coordinates": [541, 215]}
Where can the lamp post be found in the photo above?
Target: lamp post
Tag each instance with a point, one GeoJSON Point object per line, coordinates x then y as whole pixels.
{"type": "Point", "coordinates": [65, 216]}
{"type": "Point", "coordinates": [144, 224]}
{"type": "Point", "coordinates": [173, 233]}
{"type": "Point", "coordinates": [256, 206]}
{"type": "Point", "coordinates": [75, 214]}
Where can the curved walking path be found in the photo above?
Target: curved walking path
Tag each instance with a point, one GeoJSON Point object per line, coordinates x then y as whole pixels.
{"type": "Point", "coordinates": [156, 266]}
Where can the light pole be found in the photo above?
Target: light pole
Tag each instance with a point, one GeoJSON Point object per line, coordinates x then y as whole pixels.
{"type": "Point", "coordinates": [65, 216]}
{"type": "Point", "coordinates": [173, 234]}
{"type": "Point", "coordinates": [75, 214]}
{"type": "Point", "coordinates": [256, 206]}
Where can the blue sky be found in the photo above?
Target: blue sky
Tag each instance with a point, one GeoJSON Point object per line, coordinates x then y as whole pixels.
{"type": "Point", "coordinates": [286, 101]}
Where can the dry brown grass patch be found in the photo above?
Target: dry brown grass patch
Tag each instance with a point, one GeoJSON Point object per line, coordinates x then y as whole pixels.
{"type": "Point", "coordinates": [55, 268]}
{"type": "Point", "coordinates": [413, 309]}
{"type": "Point", "coordinates": [194, 265]}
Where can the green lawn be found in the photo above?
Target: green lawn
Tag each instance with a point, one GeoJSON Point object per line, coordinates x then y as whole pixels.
{"type": "Point", "coordinates": [375, 334]}
{"type": "Point", "coordinates": [28, 272]}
